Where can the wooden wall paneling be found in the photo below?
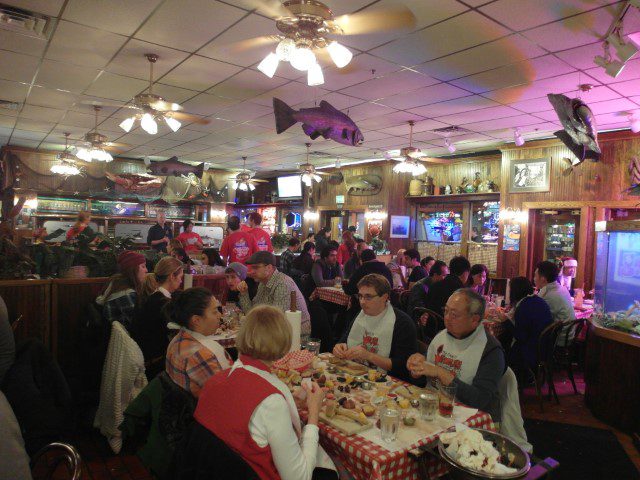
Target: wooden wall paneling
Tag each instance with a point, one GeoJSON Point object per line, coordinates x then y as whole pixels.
{"type": "Point", "coordinates": [30, 299]}
{"type": "Point", "coordinates": [70, 298]}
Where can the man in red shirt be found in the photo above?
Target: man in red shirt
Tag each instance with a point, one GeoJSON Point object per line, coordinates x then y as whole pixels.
{"type": "Point", "coordinates": [190, 240]}
{"type": "Point", "coordinates": [238, 246]}
{"type": "Point", "coordinates": [261, 236]}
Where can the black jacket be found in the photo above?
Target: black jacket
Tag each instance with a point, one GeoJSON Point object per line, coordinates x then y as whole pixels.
{"type": "Point", "coordinates": [156, 233]}
{"type": "Point", "coordinates": [440, 292]}
{"type": "Point", "coordinates": [368, 267]}
{"type": "Point", "coordinates": [418, 295]}
{"type": "Point", "coordinates": [403, 344]}
{"type": "Point", "coordinates": [151, 334]}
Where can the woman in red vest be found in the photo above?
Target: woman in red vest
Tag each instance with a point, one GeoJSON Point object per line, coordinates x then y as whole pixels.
{"type": "Point", "coordinates": [253, 412]}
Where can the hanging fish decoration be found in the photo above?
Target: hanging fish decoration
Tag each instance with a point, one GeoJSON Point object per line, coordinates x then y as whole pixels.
{"type": "Point", "coordinates": [325, 121]}
{"type": "Point", "coordinates": [634, 171]}
{"type": "Point", "coordinates": [361, 185]}
{"type": "Point", "coordinates": [129, 182]}
{"type": "Point", "coordinates": [173, 167]}
{"type": "Point", "coordinates": [580, 132]}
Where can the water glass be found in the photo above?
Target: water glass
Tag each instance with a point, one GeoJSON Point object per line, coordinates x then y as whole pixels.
{"type": "Point", "coordinates": [313, 345]}
{"type": "Point", "coordinates": [428, 406]}
{"type": "Point", "coordinates": [446, 398]}
{"type": "Point", "coordinates": [389, 424]}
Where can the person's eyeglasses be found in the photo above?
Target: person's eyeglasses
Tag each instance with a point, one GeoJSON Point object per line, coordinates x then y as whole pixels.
{"type": "Point", "coordinates": [366, 297]}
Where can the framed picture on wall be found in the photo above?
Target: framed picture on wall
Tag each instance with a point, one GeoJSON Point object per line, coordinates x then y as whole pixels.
{"type": "Point", "coordinates": [531, 175]}
{"type": "Point", "coordinates": [400, 226]}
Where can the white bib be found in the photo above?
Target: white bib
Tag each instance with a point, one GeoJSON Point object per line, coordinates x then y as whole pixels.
{"type": "Point", "coordinates": [460, 357]}
{"type": "Point", "coordinates": [374, 333]}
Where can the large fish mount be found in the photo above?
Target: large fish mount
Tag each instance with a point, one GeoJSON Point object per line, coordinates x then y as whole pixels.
{"type": "Point", "coordinates": [324, 121]}
{"type": "Point", "coordinates": [173, 167]}
{"type": "Point", "coordinates": [580, 132]}
{"type": "Point", "coordinates": [129, 182]}
{"type": "Point", "coordinates": [362, 185]}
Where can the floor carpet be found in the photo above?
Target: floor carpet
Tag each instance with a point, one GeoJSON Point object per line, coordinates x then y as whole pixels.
{"type": "Point", "coordinates": [583, 452]}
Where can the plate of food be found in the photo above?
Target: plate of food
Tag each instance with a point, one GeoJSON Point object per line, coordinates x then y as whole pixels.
{"type": "Point", "coordinates": [347, 416]}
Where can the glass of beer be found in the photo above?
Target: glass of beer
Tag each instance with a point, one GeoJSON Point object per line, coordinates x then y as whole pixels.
{"type": "Point", "coordinates": [446, 398]}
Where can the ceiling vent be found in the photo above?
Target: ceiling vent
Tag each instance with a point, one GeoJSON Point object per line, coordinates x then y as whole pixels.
{"type": "Point", "coordinates": [450, 130]}
{"type": "Point", "coordinates": [8, 105]}
{"type": "Point", "coordinates": [24, 22]}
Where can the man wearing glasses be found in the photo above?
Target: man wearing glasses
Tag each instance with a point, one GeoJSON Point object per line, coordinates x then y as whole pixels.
{"type": "Point", "coordinates": [274, 288]}
{"type": "Point", "coordinates": [380, 335]}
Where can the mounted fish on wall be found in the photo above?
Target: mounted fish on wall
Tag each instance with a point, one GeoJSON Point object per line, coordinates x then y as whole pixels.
{"type": "Point", "coordinates": [325, 121]}
{"type": "Point", "coordinates": [174, 167]}
{"type": "Point", "coordinates": [362, 185]}
{"type": "Point", "coordinates": [634, 171]}
{"type": "Point", "coordinates": [580, 132]}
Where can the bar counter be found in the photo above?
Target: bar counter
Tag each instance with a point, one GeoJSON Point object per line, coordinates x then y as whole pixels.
{"type": "Point", "coordinates": [612, 374]}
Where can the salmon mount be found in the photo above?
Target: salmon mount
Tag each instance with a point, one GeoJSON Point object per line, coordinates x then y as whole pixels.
{"type": "Point", "coordinates": [362, 185]}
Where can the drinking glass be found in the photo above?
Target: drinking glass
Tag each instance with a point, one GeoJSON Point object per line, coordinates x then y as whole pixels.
{"type": "Point", "coordinates": [428, 406]}
{"type": "Point", "coordinates": [389, 424]}
{"type": "Point", "coordinates": [313, 345]}
{"type": "Point", "coordinates": [446, 397]}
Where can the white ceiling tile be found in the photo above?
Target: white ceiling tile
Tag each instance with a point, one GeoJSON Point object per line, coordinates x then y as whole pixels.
{"type": "Point", "coordinates": [611, 106]}
{"type": "Point", "coordinates": [45, 7]}
{"type": "Point", "coordinates": [214, 125]}
{"type": "Point", "coordinates": [42, 113]}
{"type": "Point", "coordinates": [28, 135]}
{"type": "Point", "coordinates": [628, 88]}
{"type": "Point", "coordinates": [22, 44]}
{"type": "Point", "coordinates": [118, 16]}
{"type": "Point", "coordinates": [13, 91]}
{"type": "Point", "coordinates": [509, 122]}
{"type": "Point", "coordinates": [359, 70]}
{"type": "Point", "coordinates": [80, 45]}
{"type": "Point", "coordinates": [235, 45]}
{"type": "Point", "coordinates": [342, 102]}
{"type": "Point", "coordinates": [561, 84]}
{"type": "Point", "coordinates": [424, 96]}
{"type": "Point", "coordinates": [532, 106]}
{"type": "Point", "coordinates": [419, 126]}
{"type": "Point", "coordinates": [131, 60]}
{"type": "Point", "coordinates": [33, 125]}
{"type": "Point", "coordinates": [47, 97]}
{"type": "Point", "coordinates": [64, 76]}
{"type": "Point", "coordinates": [188, 24]}
{"type": "Point", "coordinates": [291, 93]}
{"type": "Point", "coordinates": [581, 57]}
{"type": "Point", "coordinates": [470, 29]}
{"type": "Point", "coordinates": [116, 87]}
{"type": "Point", "coordinates": [247, 84]}
{"type": "Point", "coordinates": [199, 73]}
{"type": "Point", "coordinates": [480, 115]}
{"type": "Point", "coordinates": [368, 110]}
{"type": "Point", "coordinates": [207, 104]}
{"type": "Point", "coordinates": [7, 122]}
{"type": "Point", "coordinates": [454, 106]}
{"type": "Point", "coordinates": [173, 94]}
{"type": "Point", "coordinates": [384, 86]}
{"type": "Point", "coordinates": [23, 142]}
{"type": "Point", "coordinates": [597, 94]}
{"type": "Point", "coordinates": [244, 112]}
{"type": "Point", "coordinates": [18, 67]}
{"type": "Point", "coordinates": [631, 71]}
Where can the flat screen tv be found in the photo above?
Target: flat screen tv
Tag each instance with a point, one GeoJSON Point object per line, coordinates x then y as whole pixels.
{"type": "Point", "coordinates": [289, 187]}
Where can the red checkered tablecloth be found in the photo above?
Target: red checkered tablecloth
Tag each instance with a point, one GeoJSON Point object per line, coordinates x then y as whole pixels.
{"type": "Point", "coordinates": [582, 313]}
{"type": "Point", "coordinates": [331, 294]}
{"type": "Point", "coordinates": [361, 459]}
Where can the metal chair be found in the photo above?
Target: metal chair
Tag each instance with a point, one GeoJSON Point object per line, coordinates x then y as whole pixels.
{"type": "Point", "coordinates": [544, 363]}
{"type": "Point", "coordinates": [565, 350]}
{"type": "Point", "coordinates": [54, 454]}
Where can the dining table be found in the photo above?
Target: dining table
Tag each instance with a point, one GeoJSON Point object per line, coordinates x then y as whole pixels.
{"type": "Point", "coordinates": [332, 295]}
{"type": "Point", "coordinates": [366, 456]}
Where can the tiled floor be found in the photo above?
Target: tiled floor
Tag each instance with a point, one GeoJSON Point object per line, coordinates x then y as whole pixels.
{"type": "Point", "coordinates": [101, 464]}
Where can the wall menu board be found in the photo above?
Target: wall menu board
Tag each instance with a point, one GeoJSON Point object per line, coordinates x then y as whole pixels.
{"type": "Point", "coordinates": [172, 211]}
{"type": "Point", "coordinates": [123, 209]}
{"type": "Point", "coordinates": [61, 205]}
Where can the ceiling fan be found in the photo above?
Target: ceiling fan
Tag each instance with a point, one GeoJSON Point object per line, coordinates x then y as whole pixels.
{"type": "Point", "coordinates": [308, 173]}
{"type": "Point", "coordinates": [95, 145]}
{"type": "Point", "coordinates": [66, 161]}
{"type": "Point", "coordinates": [244, 180]}
{"type": "Point", "coordinates": [308, 26]}
{"type": "Point", "coordinates": [410, 157]}
{"type": "Point", "coordinates": [152, 108]}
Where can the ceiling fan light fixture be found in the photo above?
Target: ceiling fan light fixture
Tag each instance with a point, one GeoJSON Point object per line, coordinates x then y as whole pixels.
{"type": "Point", "coordinates": [65, 168]}
{"type": "Point", "coordinates": [269, 65]}
{"type": "Point", "coordinates": [306, 179]}
{"type": "Point", "coordinates": [624, 51]}
{"type": "Point", "coordinates": [302, 58]}
{"type": "Point", "coordinates": [127, 124]}
{"type": "Point", "coordinates": [450, 146]}
{"type": "Point", "coordinates": [84, 155]}
{"type": "Point", "coordinates": [173, 123]}
{"type": "Point", "coordinates": [285, 48]}
{"type": "Point", "coordinates": [340, 54]}
{"type": "Point", "coordinates": [314, 75]}
{"type": "Point", "coordinates": [148, 124]}
{"type": "Point", "coordinates": [251, 187]}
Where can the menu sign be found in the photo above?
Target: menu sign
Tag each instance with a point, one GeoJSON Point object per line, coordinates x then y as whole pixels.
{"type": "Point", "coordinates": [173, 211]}
{"type": "Point", "coordinates": [61, 205]}
{"type": "Point", "coordinates": [122, 209]}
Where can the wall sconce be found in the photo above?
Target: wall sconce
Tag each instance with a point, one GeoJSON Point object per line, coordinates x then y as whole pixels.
{"type": "Point", "coordinates": [375, 216]}
{"type": "Point", "coordinates": [311, 216]}
{"type": "Point", "coordinates": [514, 215]}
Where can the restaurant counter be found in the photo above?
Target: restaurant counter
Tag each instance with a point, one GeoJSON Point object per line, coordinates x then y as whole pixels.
{"type": "Point", "coordinates": [612, 371]}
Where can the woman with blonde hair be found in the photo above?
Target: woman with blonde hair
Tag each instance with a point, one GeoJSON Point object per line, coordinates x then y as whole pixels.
{"type": "Point", "coordinates": [150, 325]}
{"type": "Point", "coordinates": [80, 226]}
{"type": "Point", "coordinates": [261, 422]}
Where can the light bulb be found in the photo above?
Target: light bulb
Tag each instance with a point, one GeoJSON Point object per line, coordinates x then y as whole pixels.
{"type": "Point", "coordinates": [285, 48]}
{"type": "Point", "coordinates": [306, 179]}
{"type": "Point", "coordinates": [235, 185]}
{"type": "Point", "coordinates": [340, 54]}
{"type": "Point", "coordinates": [302, 58]}
{"type": "Point", "coordinates": [317, 178]}
{"type": "Point", "coordinates": [243, 187]}
{"type": "Point", "coordinates": [83, 154]}
{"type": "Point", "coordinates": [148, 124]}
{"type": "Point", "coordinates": [127, 124]}
{"type": "Point", "coordinates": [251, 187]}
{"type": "Point", "coordinates": [173, 123]}
{"type": "Point", "coordinates": [269, 65]}
{"type": "Point", "coordinates": [314, 75]}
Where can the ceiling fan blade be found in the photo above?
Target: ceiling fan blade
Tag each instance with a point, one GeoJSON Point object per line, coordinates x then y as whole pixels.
{"type": "Point", "coordinates": [258, 180]}
{"type": "Point", "coordinates": [106, 104]}
{"type": "Point", "coordinates": [323, 173]}
{"type": "Point", "coordinates": [377, 20]}
{"type": "Point", "coordinates": [271, 8]}
{"type": "Point", "coordinates": [187, 117]}
{"type": "Point", "coordinates": [164, 106]}
{"type": "Point", "coordinates": [248, 44]}
{"type": "Point", "coordinates": [115, 145]}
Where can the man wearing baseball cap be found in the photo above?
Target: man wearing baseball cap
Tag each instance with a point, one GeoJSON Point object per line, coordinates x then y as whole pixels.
{"type": "Point", "coordinates": [274, 287]}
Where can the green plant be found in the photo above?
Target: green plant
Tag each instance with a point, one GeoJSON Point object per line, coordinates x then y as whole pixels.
{"type": "Point", "coordinates": [280, 241]}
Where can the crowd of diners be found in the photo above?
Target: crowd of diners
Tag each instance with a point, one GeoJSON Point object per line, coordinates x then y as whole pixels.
{"type": "Point", "coordinates": [261, 427]}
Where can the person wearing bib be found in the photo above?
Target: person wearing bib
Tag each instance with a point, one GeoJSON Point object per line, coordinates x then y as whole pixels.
{"type": "Point", "coordinates": [464, 355]}
{"type": "Point", "coordinates": [253, 412]}
{"type": "Point", "coordinates": [193, 356]}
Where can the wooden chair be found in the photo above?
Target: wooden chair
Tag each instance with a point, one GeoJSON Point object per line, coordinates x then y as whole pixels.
{"type": "Point", "coordinates": [565, 351]}
{"type": "Point", "coordinates": [52, 456]}
{"type": "Point", "coordinates": [544, 363]}
{"type": "Point", "coordinates": [428, 323]}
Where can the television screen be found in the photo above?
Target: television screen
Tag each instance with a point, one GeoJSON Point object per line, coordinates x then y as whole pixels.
{"type": "Point", "coordinates": [290, 187]}
{"type": "Point", "coordinates": [443, 227]}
